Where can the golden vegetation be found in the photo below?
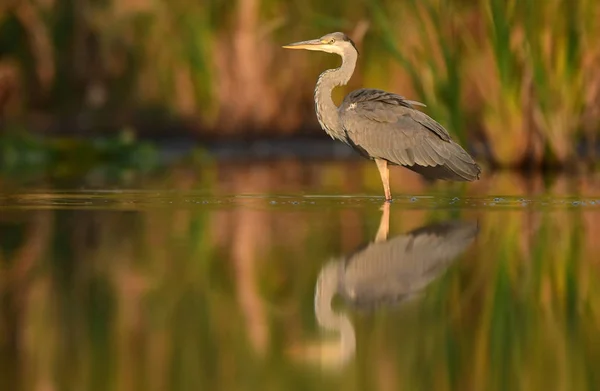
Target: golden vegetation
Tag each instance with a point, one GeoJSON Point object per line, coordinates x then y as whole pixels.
{"type": "Point", "coordinates": [520, 78]}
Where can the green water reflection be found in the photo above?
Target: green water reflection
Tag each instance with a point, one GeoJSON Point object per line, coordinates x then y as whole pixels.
{"type": "Point", "coordinates": [178, 285]}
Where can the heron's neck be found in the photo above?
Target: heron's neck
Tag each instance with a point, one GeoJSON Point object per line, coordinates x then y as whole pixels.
{"type": "Point", "coordinates": [327, 111]}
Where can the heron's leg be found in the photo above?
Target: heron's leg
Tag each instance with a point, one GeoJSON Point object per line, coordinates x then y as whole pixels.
{"type": "Point", "coordinates": [384, 171]}
{"type": "Point", "coordinates": [384, 223]}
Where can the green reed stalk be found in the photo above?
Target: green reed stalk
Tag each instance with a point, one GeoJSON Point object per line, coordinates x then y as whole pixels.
{"type": "Point", "coordinates": [505, 114]}
{"type": "Point", "coordinates": [554, 43]}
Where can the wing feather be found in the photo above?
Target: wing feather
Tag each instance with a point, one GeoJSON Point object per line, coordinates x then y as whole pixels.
{"type": "Point", "coordinates": [386, 126]}
{"type": "Point", "coordinates": [427, 156]}
{"type": "Point", "coordinates": [419, 158]}
{"type": "Point", "coordinates": [436, 158]}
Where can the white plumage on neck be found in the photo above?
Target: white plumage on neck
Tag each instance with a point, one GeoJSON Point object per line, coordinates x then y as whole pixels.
{"type": "Point", "coordinates": [327, 111]}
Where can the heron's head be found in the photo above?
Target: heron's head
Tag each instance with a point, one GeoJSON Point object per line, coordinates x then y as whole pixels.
{"type": "Point", "coordinates": [338, 43]}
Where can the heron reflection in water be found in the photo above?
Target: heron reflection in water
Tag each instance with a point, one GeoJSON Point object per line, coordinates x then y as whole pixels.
{"type": "Point", "coordinates": [387, 272]}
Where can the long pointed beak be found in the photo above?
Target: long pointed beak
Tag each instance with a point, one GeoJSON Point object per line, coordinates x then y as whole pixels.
{"type": "Point", "coordinates": [313, 44]}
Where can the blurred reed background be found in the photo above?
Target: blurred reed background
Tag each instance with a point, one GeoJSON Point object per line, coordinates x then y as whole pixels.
{"type": "Point", "coordinates": [519, 81]}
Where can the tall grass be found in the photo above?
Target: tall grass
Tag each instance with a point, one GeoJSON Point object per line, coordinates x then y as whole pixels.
{"type": "Point", "coordinates": [518, 78]}
{"type": "Point", "coordinates": [508, 128]}
{"type": "Point", "coordinates": [525, 70]}
{"type": "Point", "coordinates": [433, 61]}
{"type": "Point", "coordinates": [559, 37]}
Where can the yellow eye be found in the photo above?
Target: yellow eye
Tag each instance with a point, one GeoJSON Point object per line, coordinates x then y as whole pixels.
{"type": "Point", "coordinates": [331, 41]}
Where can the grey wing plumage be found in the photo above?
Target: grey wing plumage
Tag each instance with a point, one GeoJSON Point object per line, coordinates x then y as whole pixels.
{"type": "Point", "coordinates": [383, 125]}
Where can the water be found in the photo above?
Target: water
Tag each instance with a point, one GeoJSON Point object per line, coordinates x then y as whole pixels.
{"type": "Point", "coordinates": [291, 275]}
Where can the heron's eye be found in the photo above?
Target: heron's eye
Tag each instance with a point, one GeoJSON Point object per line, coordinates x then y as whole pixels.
{"type": "Point", "coordinates": [331, 41]}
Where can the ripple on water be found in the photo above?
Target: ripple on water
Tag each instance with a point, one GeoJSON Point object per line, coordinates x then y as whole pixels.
{"type": "Point", "coordinates": [125, 199]}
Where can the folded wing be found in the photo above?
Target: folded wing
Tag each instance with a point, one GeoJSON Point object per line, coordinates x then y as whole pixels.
{"type": "Point", "coordinates": [386, 126]}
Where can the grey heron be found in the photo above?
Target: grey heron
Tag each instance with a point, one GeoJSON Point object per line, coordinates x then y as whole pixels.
{"type": "Point", "coordinates": [383, 126]}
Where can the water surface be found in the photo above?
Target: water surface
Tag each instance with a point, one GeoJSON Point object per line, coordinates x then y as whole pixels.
{"type": "Point", "coordinates": [297, 276]}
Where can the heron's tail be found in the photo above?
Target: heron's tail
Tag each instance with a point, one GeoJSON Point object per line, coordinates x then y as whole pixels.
{"type": "Point", "coordinates": [460, 165]}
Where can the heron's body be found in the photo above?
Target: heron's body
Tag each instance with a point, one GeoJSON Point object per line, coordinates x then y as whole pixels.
{"type": "Point", "coordinates": [384, 126]}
